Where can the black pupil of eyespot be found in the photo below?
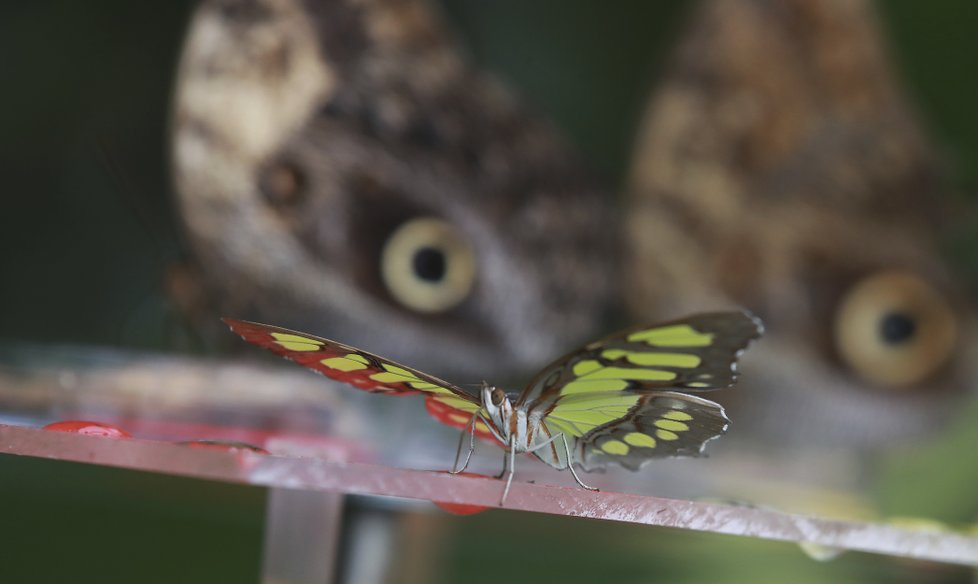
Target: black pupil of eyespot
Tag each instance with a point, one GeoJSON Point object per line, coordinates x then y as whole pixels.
{"type": "Point", "coordinates": [429, 264]}
{"type": "Point", "coordinates": [897, 327]}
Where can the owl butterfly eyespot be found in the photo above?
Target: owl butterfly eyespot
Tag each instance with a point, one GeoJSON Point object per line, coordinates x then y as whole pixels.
{"type": "Point", "coordinates": [895, 330]}
{"type": "Point", "coordinates": [342, 169]}
{"type": "Point", "coordinates": [428, 266]}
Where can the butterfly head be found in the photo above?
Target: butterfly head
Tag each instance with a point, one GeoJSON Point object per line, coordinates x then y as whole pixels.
{"type": "Point", "coordinates": [497, 404]}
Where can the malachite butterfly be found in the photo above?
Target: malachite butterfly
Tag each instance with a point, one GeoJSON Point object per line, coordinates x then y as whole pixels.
{"type": "Point", "coordinates": [624, 399]}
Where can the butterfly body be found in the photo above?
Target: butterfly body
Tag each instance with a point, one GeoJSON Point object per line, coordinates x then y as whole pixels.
{"type": "Point", "coordinates": [625, 399]}
{"type": "Point", "coordinates": [520, 429]}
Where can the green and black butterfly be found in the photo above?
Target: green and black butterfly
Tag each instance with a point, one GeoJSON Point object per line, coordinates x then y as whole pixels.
{"type": "Point", "coordinates": [624, 399]}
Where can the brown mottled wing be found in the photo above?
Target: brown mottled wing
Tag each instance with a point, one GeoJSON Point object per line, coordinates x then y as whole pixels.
{"type": "Point", "coordinates": [360, 369]}
{"type": "Point", "coordinates": [697, 353]}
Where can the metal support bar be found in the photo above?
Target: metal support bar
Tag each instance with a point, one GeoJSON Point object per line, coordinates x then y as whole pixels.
{"type": "Point", "coordinates": [302, 530]}
{"type": "Point", "coordinates": [354, 478]}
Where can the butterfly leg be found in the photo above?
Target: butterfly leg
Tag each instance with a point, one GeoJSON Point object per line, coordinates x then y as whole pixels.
{"type": "Point", "coordinates": [512, 468]}
{"type": "Point", "coordinates": [570, 465]}
{"type": "Point", "coordinates": [458, 451]}
{"type": "Point", "coordinates": [502, 473]}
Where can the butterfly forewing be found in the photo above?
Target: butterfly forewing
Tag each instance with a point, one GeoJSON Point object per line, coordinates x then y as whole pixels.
{"type": "Point", "coordinates": [360, 369]}
{"type": "Point", "coordinates": [698, 353]}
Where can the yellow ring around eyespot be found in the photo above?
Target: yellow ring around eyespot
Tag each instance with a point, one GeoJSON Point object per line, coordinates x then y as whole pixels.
{"type": "Point", "coordinates": [397, 265]}
{"type": "Point", "coordinates": [902, 364]}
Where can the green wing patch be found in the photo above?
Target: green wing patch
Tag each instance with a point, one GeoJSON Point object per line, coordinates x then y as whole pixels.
{"type": "Point", "coordinates": [660, 425]}
{"type": "Point", "coordinates": [577, 415]}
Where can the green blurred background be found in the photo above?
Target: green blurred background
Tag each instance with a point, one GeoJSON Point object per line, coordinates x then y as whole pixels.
{"type": "Point", "coordinates": [90, 225]}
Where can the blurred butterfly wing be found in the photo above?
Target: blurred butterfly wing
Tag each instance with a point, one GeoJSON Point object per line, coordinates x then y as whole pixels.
{"type": "Point", "coordinates": [697, 353]}
{"type": "Point", "coordinates": [360, 368]}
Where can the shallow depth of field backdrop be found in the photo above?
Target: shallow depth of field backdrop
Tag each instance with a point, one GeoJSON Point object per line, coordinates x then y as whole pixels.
{"type": "Point", "coordinates": [89, 226]}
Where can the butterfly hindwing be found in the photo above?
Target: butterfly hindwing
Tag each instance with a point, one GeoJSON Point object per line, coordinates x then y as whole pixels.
{"type": "Point", "coordinates": [698, 353]}
{"type": "Point", "coordinates": [359, 368]}
{"type": "Point", "coordinates": [660, 425]}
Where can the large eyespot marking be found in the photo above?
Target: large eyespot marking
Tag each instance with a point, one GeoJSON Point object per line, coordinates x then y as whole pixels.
{"type": "Point", "coordinates": [894, 329]}
{"type": "Point", "coordinates": [427, 265]}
